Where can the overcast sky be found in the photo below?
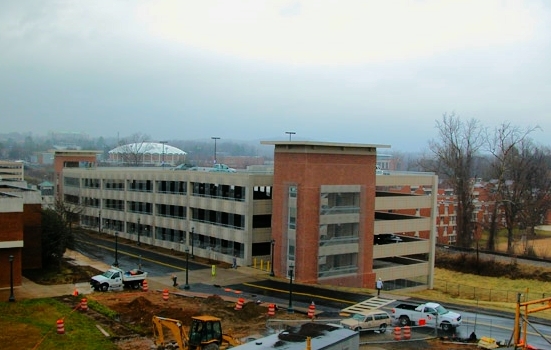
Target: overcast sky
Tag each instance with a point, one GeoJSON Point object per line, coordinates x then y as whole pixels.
{"type": "Point", "coordinates": [377, 72]}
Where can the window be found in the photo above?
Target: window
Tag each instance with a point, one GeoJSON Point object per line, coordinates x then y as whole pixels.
{"type": "Point", "coordinates": [292, 218]}
{"type": "Point", "coordinates": [292, 191]}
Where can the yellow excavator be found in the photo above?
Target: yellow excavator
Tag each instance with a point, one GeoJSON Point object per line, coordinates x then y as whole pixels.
{"type": "Point", "coordinates": [205, 333]}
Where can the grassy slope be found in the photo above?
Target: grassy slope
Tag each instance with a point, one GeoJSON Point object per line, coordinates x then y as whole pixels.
{"type": "Point", "coordinates": [32, 324]}
{"type": "Point", "coordinates": [536, 288]}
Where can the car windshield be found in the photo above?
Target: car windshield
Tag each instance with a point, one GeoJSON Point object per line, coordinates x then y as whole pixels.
{"type": "Point", "coordinates": [441, 310]}
{"type": "Point", "coordinates": [358, 317]}
{"type": "Point", "coordinates": [107, 274]}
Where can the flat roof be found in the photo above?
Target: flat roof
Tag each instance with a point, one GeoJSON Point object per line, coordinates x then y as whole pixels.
{"type": "Point", "coordinates": [76, 152]}
{"type": "Point", "coordinates": [323, 144]}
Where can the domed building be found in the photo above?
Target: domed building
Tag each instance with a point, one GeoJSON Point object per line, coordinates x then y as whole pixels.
{"type": "Point", "coordinates": [147, 154]}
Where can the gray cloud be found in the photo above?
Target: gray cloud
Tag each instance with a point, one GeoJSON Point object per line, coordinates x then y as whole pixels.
{"type": "Point", "coordinates": [94, 67]}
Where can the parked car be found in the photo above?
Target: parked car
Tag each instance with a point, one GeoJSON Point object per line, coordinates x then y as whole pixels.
{"type": "Point", "coordinates": [183, 167]}
{"type": "Point", "coordinates": [223, 168]}
{"type": "Point", "coordinates": [386, 238]}
{"type": "Point", "coordinates": [375, 320]}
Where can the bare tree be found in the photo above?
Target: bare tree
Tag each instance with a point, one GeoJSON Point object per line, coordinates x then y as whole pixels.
{"type": "Point", "coordinates": [454, 151]}
{"type": "Point", "coordinates": [535, 188]}
{"type": "Point", "coordinates": [69, 211]}
{"type": "Point", "coordinates": [57, 232]}
{"type": "Point", "coordinates": [133, 148]}
{"type": "Point", "coordinates": [505, 145]}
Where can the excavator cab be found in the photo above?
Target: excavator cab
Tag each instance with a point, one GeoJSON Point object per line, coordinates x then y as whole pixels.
{"type": "Point", "coordinates": [205, 330]}
{"type": "Point", "coordinates": [205, 333]}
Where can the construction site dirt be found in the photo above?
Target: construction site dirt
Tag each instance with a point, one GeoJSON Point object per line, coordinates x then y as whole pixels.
{"type": "Point", "coordinates": [132, 328]}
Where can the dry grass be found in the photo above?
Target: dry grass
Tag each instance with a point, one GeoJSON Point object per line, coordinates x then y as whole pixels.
{"type": "Point", "coordinates": [497, 293]}
{"type": "Point", "coordinates": [489, 291]}
{"type": "Point", "coordinates": [539, 246]}
{"type": "Point", "coordinates": [530, 289]}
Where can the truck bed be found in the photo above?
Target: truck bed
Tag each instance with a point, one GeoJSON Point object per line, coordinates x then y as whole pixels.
{"type": "Point", "coordinates": [406, 306]}
{"type": "Point", "coordinates": [134, 275]}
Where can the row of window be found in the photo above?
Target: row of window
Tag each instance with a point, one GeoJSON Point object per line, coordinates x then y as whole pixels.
{"type": "Point", "coordinates": [229, 192]}
{"type": "Point", "coordinates": [200, 241]}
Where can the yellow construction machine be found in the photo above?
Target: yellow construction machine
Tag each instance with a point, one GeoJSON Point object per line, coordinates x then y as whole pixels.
{"type": "Point", "coordinates": [205, 333]}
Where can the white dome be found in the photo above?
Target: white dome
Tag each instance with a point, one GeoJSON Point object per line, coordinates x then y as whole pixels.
{"type": "Point", "coordinates": [147, 148]}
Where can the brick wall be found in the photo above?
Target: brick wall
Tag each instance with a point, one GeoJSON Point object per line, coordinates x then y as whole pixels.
{"type": "Point", "coordinates": [310, 171]}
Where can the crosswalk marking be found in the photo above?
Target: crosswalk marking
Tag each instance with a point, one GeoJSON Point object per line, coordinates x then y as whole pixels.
{"type": "Point", "coordinates": [366, 305]}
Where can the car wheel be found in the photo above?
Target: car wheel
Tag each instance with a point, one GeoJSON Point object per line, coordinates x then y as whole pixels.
{"type": "Point", "coordinates": [446, 327]}
{"type": "Point", "coordinates": [404, 321]}
{"type": "Point", "coordinates": [136, 285]}
{"type": "Point", "coordinates": [104, 287]}
{"type": "Point", "coordinates": [357, 329]}
{"type": "Point", "coordinates": [382, 328]}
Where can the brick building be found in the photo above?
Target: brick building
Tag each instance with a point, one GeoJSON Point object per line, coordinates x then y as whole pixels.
{"type": "Point", "coordinates": [20, 231]}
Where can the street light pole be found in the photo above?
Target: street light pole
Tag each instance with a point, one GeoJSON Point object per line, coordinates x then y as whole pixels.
{"type": "Point", "coordinates": [290, 308]}
{"type": "Point", "coordinates": [192, 231]}
{"type": "Point", "coordinates": [163, 153]}
{"type": "Point", "coordinates": [139, 231]}
{"type": "Point", "coordinates": [12, 296]}
{"type": "Point", "coordinates": [116, 263]}
{"type": "Point", "coordinates": [290, 133]}
{"type": "Point", "coordinates": [272, 274]}
{"type": "Point", "coordinates": [215, 138]}
{"type": "Point", "coordinates": [187, 269]}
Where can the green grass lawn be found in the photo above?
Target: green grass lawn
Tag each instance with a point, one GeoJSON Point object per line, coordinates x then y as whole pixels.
{"type": "Point", "coordinates": [32, 324]}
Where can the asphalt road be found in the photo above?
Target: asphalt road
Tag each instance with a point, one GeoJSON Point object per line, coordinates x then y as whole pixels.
{"type": "Point", "coordinates": [156, 263]}
{"type": "Point", "coordinates": [162, 263]}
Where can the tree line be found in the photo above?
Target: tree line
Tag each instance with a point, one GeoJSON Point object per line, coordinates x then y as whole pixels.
{"type": "Point", "coordinates": [518, 168]}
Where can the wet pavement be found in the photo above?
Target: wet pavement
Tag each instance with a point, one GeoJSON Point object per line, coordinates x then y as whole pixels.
{"type": "Point", "coordinates": [244, 282]}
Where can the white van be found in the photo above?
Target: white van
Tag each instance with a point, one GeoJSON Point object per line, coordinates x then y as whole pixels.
{"type": "Point", "coordinates": [375, 320]}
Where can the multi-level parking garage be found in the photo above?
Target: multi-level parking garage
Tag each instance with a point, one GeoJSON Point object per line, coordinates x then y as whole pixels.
{"type": "Point", "coordinates": [315, 213]}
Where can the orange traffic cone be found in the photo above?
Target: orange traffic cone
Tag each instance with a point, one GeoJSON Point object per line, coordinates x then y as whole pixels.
{"type": "Point", "coordinates": [75, 293]}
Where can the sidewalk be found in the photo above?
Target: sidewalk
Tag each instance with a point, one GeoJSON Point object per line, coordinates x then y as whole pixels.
{"type": "Point", "coordinates": [223, 276]}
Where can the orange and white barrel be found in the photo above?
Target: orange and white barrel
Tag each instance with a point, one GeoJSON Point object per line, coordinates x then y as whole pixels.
{"type": "Point", "coordinates": [84, 304]}
{"type": "Point", "coordinates": [312, 310]}
{"type": "Point", "coordinates": [271, 310]}
{"type": "Point", "coordinates": [145, 288]}
{"type": "Point", "coordinates": [60, 326]}
{"type": "Point", "coordinates": [397, 333]}
{"type": "Point", "coordinates": [407, 333]}
{"type": "Point", "coordinates": [239, 304]}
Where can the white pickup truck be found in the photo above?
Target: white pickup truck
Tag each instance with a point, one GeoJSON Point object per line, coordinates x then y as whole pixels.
{"type": "Point", "coordinates": [116, 279]}
{"type": "Point", "coordinates": [430, 314]}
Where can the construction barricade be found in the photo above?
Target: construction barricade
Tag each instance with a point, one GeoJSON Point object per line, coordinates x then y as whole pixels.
{"type": "Point", "coordinates": [407, 333]}
{"type": "Point", "coordinates": [145, 288]}
{"type": "Point", "coordinates": [165, 294]}
{"type": "Point", "coordinates": [397, 333]}
{"type": "Point", "coordinates": [84, 304]}
{"type": "Point", "coordinates": [239, 304]}
{"type": "Point", "coordinates": [312, 310]}
{"type": "Point", "coordinates": [60, 326]}
{"type": "Point", "coordinates": [271, 310]}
